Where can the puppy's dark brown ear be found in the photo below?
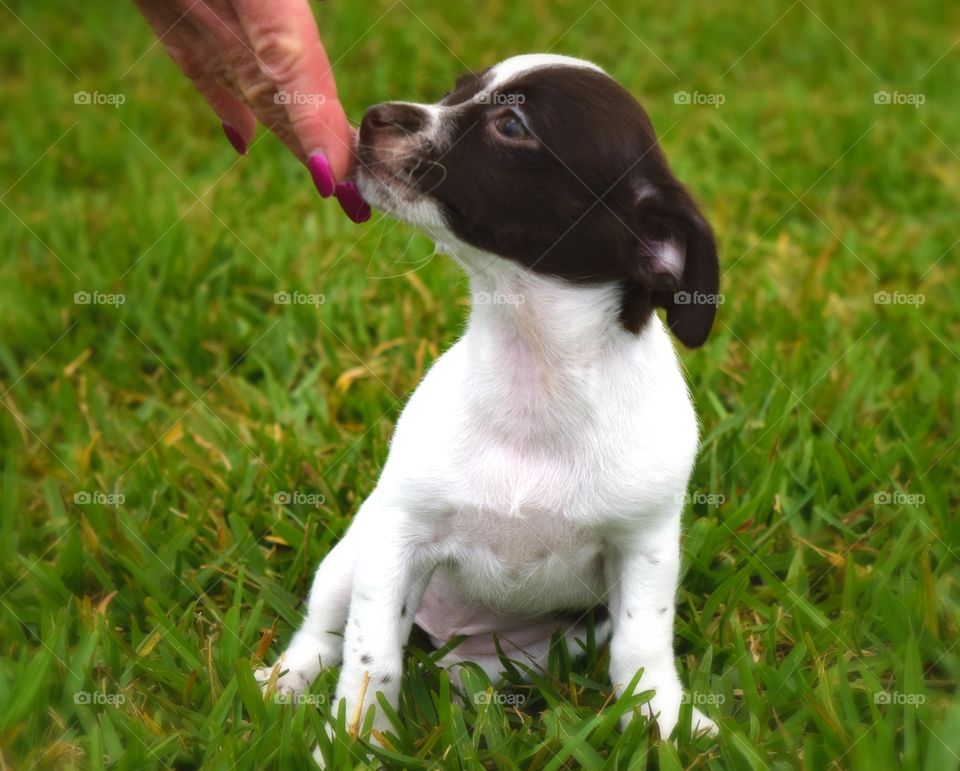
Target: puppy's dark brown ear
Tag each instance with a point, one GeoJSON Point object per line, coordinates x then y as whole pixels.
{"type": "Point", "coordinates": [678, 262]}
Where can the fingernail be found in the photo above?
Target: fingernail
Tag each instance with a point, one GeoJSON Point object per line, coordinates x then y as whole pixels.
{"type": "Point", "coordinates": [235, 139]}
{"type": "Point", "coordinates": [320, 171]}
{"type": "Point", "coordinates": [350, 200]}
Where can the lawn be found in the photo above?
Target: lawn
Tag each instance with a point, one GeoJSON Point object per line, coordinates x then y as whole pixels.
{"type": "Point", "coordinates": [178, 450]}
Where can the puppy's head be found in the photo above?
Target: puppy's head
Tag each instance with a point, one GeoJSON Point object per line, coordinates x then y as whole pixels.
{"type": "Point", "coordinates": [549, 162]}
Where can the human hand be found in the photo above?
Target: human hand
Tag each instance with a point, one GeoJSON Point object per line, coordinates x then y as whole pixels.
{"type": "Point", "coordinates": [253, 60]}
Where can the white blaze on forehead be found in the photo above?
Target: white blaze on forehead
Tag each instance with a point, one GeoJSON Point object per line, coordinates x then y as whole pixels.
{"type": "Point", "coordinates": [517, 65]}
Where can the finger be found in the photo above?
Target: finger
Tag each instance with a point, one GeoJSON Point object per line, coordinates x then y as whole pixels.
{"type": "Point", "coordinates": [239, 122]}
{"type": "Point", "coordinates": [202, 66]}
{"type": "Point", "coordinates": [284, 37]}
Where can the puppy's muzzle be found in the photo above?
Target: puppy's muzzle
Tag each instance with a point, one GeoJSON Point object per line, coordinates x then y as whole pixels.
{"type": "Point", "coordinates": [391, 121]}
{"type": "Point", "coordinates": [395, 150]}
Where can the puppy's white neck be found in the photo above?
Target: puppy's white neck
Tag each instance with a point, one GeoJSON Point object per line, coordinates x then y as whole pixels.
{"type": "Point", "coordinates": [553, 321]}
{"type": "Point", "coordinates": [544, 355]}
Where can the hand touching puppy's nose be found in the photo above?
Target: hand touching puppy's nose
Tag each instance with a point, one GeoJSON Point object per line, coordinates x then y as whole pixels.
{"type": "Point", "coordinates": [255, 61]}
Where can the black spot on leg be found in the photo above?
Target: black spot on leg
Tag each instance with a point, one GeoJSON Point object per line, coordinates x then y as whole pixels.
{"type": "Point", "coordinates": [629, 614]}
{"type": "Point", "coordinates": [663, 610]}
{"type": "Point", "coordinates": [385, 679]}
{"type": "Point", "coordinates": [366, 658]}
{"type": "Point", "coordinates": [403, 610]}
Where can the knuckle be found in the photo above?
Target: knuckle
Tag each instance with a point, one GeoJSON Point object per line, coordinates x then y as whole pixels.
{"type": "Point", "coordinates": [257, 92]}
{"type": "Point", "coordinates": [278, 52]}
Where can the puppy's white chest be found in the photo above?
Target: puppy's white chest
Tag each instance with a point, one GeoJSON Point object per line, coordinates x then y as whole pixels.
{"type": "Point", "coordinates": [513, 482]}
{"type": "Point", "coordinates": [519, 478]}
{"type": "Point", "coordinates": [517, 532]}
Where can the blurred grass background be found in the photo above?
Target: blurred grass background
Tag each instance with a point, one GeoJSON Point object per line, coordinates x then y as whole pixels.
{"type": "Point", "coordinates": [818, 617]}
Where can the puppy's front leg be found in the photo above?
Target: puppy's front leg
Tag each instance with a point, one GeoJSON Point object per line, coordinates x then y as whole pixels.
{"type": "Point", "coordinates": [643, 584]}
{"type": "Point", "coordinates": [390, 575]}
{"type": "Point", "coordinates": [318, 642]}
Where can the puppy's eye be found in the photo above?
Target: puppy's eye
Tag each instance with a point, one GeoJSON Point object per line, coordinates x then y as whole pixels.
{"type": "Point", "coordinates": [511, 127]}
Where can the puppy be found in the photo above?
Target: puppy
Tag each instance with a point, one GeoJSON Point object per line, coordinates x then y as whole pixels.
{"type": "Point", "coordinates": [539, 469]}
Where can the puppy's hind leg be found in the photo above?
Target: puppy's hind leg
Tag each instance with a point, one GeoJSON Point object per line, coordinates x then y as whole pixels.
{"type": "Point", "coordinates": [319, 641]}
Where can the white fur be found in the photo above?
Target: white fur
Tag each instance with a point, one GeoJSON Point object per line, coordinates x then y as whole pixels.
{"type": "Point", "coordinates": [546, 436]}
{"type": "Point", "coordinates": [518, 65]}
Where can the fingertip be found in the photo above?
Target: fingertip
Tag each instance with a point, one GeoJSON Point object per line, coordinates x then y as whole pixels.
{"type": "Point", "coordinates": [339, 159]}
{"type": "Point", "coordinates": [233, 136]}
{"type": "Point", "coordinates": [320, 173]}
{"type": "Point", "coordinates": [328, 132]}
{"type": "Point", "coordinates": [352, 202]}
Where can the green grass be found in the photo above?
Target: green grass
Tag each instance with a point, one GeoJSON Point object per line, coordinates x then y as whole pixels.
{"type": "Point", "coordinates": [805, 598]}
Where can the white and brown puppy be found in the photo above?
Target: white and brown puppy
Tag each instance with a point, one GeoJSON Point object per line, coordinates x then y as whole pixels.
{"type": "Point", "coordinates": [539, 469]}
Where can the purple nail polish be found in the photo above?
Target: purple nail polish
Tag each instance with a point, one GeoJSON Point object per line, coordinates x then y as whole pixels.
{"type": "Point", "coordinates": [321, 174]}
{"type": "Point", "coordinates": [235, 139]}
{"type": "Point", "coordinates": [352, 202]}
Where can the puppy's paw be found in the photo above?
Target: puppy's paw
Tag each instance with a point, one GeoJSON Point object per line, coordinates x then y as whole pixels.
{"type": "Point", "coordinates": [318, 757]}
{"type": "Point", "coordinates": [297, 667]}
{"type": "Point", "coordinates": [331, 735]}
{"type": "Point", "coordinates": [665, 707]}
{"type": "Point", "coordinates": [289, 685]}
{"type": "Point", "coordinates": [701, 724]}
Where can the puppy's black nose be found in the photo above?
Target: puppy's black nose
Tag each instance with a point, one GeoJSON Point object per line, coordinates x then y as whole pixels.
{"type": "Point", "coordinates": [392, 118]}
